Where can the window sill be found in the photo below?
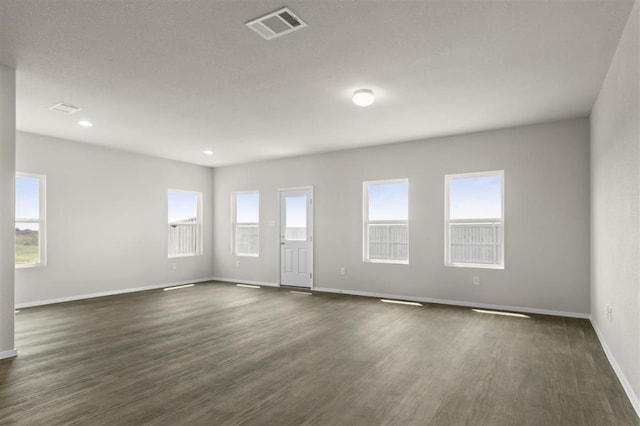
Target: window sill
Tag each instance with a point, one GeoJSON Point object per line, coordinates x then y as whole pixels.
{"type": "Point", "coordinates": [473, 265]}
{"type": "Point", "coordinates": [393, 262]}
{"type": "Point", "coordinates": [246, 255]}
{"type": "Point", "coordinates": [31, 265]}
{"type": "Point", "coordinates": [176, 256]}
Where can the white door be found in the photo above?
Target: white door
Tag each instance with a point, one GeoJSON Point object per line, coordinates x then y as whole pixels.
{"type": "Point", "coordinates": [296, 237]}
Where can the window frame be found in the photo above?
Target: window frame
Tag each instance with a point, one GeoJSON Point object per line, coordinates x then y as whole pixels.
{"type": "Point", "coordinates": [448, 221]}
{"type": "Point", "coordinates": [42, 221]}
{"type": "Point", "coordinates": [366, 222]}
{"type": "Point", "coordinates": [234, 223]}
{"type": "Point", "coordinates": [199, 222]}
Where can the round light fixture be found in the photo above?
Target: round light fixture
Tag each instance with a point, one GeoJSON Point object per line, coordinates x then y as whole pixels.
{"type": "Point", "coordinates": [207, 152]}
{"type": "Point", "coordinates": [363, 97]}
{"type": "Point", "coordinates": [85, 123]}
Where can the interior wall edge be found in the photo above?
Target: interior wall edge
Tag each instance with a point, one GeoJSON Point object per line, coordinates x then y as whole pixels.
{"type": "Point", "coordinates": [7, 206]}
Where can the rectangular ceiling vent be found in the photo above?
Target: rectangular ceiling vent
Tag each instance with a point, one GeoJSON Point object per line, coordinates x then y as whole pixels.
{"type": "Point", "coordinates": [276, 24]}
{"type": "Point", "coordinates": [65, 108]}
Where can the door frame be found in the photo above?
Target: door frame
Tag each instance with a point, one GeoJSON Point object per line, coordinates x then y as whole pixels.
{"type": "Point", "coordinates": [310, 229]}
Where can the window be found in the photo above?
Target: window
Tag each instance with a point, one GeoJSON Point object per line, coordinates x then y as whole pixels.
{"type": "Point", "coordinates": [386, 221]}
{"type": "Point", "coordinates": [185, 223]}
{"type": "Point", "coordinates": [246, 223]}
{"type": "Point", "coordinates": [30, 220]}
{"type": "Point", "coordinates": [474, 220]}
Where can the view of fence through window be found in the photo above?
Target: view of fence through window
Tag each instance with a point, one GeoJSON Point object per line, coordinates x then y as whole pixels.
{"type": "Point", "coordinates": [29, 220]}
{"type": "Point", "coordinates": [184, 223]}
{"type": "Point", "coordinates": [387, 221]}
{"type": "Point", "coordinates": [475, 226]}
{"type": "Point", "coordinates": [476, 243]}
{"type": "Point", "coordinates": [247, 224]}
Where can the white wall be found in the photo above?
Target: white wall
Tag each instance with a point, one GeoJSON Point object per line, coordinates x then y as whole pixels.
{"type": "Point", "coordinates": [547, 216]}
{"type": "Point", "coordinates": [615, 204]}
{"type": "Point", "coordinates": [107, 219]}
{"type": "Point", "coordinates": [7, 218]}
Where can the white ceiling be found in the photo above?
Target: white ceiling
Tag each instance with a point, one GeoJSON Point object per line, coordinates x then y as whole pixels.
{"type": "Point", "coordinates": [172, 78]}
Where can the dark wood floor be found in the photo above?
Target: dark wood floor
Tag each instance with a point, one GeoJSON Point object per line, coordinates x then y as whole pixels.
{"type": "Point", "coordinates": [219, 354]}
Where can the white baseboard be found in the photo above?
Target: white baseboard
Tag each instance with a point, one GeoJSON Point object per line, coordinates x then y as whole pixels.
{"type": "Point", "coordinates": [237, 281]}
{"type": "Point", "coordinates": [635, 401]}
{"type": "Point", "coordinates": [456, 303]}
{"type": "Point", "coordinates": [8, 354]}
{"type": "Point", "coordinates": [108, 293]}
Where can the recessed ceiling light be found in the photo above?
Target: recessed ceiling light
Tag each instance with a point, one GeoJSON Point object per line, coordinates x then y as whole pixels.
{"type": "Point", "coordinates": [85, 123]}
{"type": "Point", "coordinates": [207, 152]}
{"type": "Point", "coordinates": [363, 97]}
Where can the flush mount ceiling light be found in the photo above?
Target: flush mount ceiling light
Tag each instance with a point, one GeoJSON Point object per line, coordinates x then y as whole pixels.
{"type": "Point", "coordinates": [363, 97]}
{"type": "Point", "coordinates": [207, 152]}
{"type": "Point", "coordinates": [85, 123]}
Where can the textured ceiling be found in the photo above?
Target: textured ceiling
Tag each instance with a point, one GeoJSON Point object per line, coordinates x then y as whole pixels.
{"type": "Point", "coordinates": [171, 78]}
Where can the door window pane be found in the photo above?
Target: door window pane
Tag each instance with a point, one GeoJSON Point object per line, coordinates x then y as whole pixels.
{"type": "Point", "coordinates": [296, 218]}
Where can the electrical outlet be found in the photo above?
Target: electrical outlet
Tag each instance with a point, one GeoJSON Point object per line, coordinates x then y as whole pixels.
{"type": "Point", "coordinates": [343, 271]}
{"type": "Point", "coordinates": [476, 280]}
{"type": "Point", "coordinates": [174, 266]}
{"type": "Point", "coordinates": [610, 313]}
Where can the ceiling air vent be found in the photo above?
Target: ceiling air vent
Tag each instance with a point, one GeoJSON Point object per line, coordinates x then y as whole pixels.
{"type": "Point", "coordinates": [65, 108]}
{"type": "Point", "coordinates": [276, 24]}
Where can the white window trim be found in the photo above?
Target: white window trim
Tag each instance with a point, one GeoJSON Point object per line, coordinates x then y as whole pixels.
{"type": "Point", "coordinates": [234, 216]}
{"type": "Point", "coordinates": [42, 237]}
{"type": "Point", "coordinates": [448, 221]}
{"type": "Point", "coordinates": [366, 221]}
{"type": "Point", "coordinates": [199, 223]}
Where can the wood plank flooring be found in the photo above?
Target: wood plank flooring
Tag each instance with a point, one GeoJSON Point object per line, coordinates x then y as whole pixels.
{"type": "Point", "coordinates": [217, 354]}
